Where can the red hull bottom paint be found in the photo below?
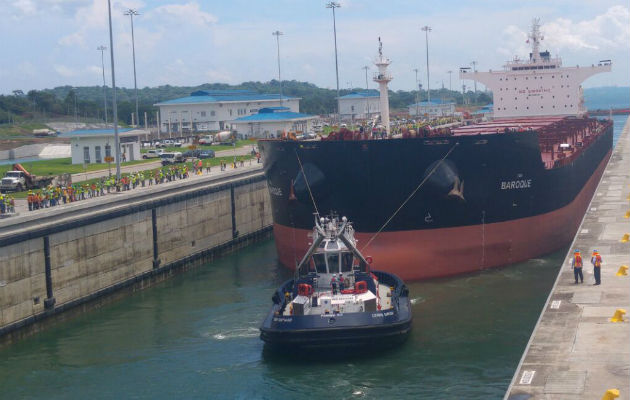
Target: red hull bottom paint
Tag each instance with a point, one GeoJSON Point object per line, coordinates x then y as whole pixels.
{"type": "Point", "coordinates": [421, 254]}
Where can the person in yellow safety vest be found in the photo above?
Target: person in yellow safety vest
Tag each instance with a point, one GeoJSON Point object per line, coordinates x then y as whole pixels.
{"type": "Point", "coordinates": [576, 264]}
{"type": "Point", "coordinates": [30, 200]}
{"type": "Point", "coordinates": [596, 260]}
{"type": "Point", "coordinates": [1, 203]}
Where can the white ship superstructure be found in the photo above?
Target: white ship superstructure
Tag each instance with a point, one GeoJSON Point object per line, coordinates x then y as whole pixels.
{"type": "Point", "coordinates": [539, 86]}
{"type": "Point", "coordinates": [383, 77]}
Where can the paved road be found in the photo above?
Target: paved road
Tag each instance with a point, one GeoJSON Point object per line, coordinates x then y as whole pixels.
{"type": "Point", "coordinates": [240, 151]}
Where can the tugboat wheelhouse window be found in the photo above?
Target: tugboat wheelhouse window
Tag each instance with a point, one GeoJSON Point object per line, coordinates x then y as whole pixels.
{"type": "Point", "coordinates": [333, 263]}
{"type": "Point", "coordinates": [320, 263]}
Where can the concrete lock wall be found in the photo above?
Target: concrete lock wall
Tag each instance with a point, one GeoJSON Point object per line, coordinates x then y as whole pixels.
{"type": "Point", "coordinates": [119, 249]}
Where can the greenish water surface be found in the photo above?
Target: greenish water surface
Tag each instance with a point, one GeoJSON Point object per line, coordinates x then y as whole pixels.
{"type": "Point", "coordinates": [196, 336]}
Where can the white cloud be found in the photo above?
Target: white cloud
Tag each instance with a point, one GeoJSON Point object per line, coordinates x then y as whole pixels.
{"type": "Point", "coordinates": [72, 39]}
{"type": "Point", "coordinates": [189, 13]}
{"type": "Point", "coordinates": [25, 6]}
{"type": "Point", "coordinates": [64, 71]}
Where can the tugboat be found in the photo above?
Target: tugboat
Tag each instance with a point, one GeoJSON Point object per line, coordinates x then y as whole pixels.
{"type": "Point", "coordinates": [335, 300]}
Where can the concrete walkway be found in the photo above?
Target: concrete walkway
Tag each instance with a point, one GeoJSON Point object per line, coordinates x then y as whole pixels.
{"type": "Point", "coordinates": [575, 351]}
{"type": "Point", "coordinates": [21, 206]}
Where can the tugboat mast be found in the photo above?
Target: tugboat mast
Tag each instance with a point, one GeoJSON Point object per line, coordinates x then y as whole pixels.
{"type": "Point", "coordinates": [382, 77]}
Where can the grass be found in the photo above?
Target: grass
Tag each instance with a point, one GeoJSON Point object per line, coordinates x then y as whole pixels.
{"type": "Point", "coordinates": [60, 166]}
{"type": "Point", "coordinates": [214, 162]}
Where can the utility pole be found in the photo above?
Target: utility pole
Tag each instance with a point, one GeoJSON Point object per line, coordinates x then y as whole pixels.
{"type": "Point", "coordinates": [334, 5]}
{"type": "Point", "coordinates": [131, 12]}
{"type": "Point", "coordinates": [474, 64]}
{"type": "Point", "coordinates": [367, 94]}
{"type": "Point", "coordinates": [114, 105]}
{"type": "Point", "coordinates": [450, 85]}
{"type": "Point", "coordinates": [277, 34]}
{"type": "Point", "coordinates": [426, 30]}
{"type": "Point", "coordinates": [417, 93]}
{"type": "Point", "coordinates": [102, 50]}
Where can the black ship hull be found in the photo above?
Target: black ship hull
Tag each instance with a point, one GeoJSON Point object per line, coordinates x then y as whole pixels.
{"type": "Point", "coordinates": [481, 200]}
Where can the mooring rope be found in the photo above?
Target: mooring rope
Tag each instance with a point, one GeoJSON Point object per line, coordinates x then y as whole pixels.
{"type": "Point", "coordinates": [306, 180]}
{"type": "Point", "coordinates": [409, 197]}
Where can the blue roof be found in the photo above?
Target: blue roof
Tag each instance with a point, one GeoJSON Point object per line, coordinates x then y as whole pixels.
{"type": "Point", "coordinates": [355, 95]}
{"type": "Point", "coordinates": [213, 96]}
{"type": "Point", "coordinates": [433, 103]}
{"type": "Point", "coordinates": [94, 132]}
{"type": "Point", "coordinates": [273, 116]}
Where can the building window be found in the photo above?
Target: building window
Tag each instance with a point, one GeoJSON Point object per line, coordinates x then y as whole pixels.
{"type": "Point", "coordinates": [253, 110]}
{"type": "Point", "coordinates": [97, 154]}
{"type": "Point", "coordinates": [108, 150]}
{"type": "Point", "coordinates": [212, 113]}
{"type": "Point", "coordinates": [203, 113]}
{"type": "Point", "coordinates": [230, 112]}
{"type": "Point", "coordinates": [86, 155]}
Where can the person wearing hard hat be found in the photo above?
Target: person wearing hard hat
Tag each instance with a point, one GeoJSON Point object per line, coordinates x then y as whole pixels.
{"type": "Point", "coordinates": [576, 264]}
{"type": "Point", "coordinates": [596, 260]}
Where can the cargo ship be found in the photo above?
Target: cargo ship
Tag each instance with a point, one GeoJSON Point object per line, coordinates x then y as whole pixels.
{"type": "Point", "coordinates": [451, 200]}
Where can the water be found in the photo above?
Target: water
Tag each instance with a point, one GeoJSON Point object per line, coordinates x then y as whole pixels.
{"type": "Point", "coordinates": [196, 336]}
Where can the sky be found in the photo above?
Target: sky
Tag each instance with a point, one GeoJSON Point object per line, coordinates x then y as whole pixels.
{"type": "Point", "coordinates": [48, 43]}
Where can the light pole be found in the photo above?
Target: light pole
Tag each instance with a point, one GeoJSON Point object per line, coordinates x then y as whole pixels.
{"type": "Point", "coordinates": [334, 5]}
{"type": "Point", "coordinates": [474, 64]}
{"type": "Point", "coordinates": [417, 93]}
{"type": "Point", "coordinates": [114, 105]}
{"type": "Point", "coordinates": [102, 50]}
{"type": "Point", "coordinates": [450, 85]}
{"type": "Point", "coordinates": [426, 30]}
{"type": "Point", "coordinates": [277, 34]}
{"type": "Point", "coordinates": [131, 12]}
{"type": "Point", "coordinates": [74, 89]}
{"type": "Point", "coordinates": [367, 94]}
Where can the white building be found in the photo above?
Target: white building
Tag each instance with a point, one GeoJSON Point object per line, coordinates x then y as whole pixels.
{"type": "Point", "coordinates": [214, 110]}
{"type": "Point", "coordinates": [272, 122]}
{"type": "Point", "coordinates": [92, 146]}
{"type": "Point", "coordinates": [359, 105]}
{"type": "Point", "coordinates": [433, 108]}
{"type": "Point", "coordinates": [538, 86]}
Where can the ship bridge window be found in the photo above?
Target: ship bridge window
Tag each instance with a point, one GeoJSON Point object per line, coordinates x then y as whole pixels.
{"type": "Point", "coordinates": [346, 262]}
{"type": "Point", "coordinates": [333, 263]}
{"type": "Point", "coordinates": [320, 263]}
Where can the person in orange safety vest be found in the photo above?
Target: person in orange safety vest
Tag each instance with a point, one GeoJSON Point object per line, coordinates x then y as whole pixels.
{"type": "Point", "coordinates": [576, 263]}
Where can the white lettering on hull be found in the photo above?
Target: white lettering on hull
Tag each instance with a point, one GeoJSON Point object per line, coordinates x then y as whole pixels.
{"type": "Point", "coordinates": [520, 184]}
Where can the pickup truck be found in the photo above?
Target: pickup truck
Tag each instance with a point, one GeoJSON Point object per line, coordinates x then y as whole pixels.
{"type": "Point", "coordinates": [152, 154]}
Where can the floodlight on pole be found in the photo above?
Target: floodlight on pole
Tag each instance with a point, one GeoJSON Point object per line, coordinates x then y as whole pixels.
{"type": "Point", "coordinates": [114, 105]}
{"type": "Point", "coordinates": [474, 64]}
{"type": "Point", "coordinates": [102, 50]}
{"type": "Point", "coordinates": [367, 93]}
{"type": "Point", "coordinates": [417, 93]}
{"type": "Point", "coordinates": [426, 30]}
{"type": "Point", "coordinates": [277, 34]}
{"type": "Point", "coordinates": [334, 5]}
{"type": "Point", "coordinates": [131, 12]}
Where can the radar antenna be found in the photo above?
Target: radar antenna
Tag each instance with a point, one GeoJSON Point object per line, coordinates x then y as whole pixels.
{"type": "Point", "coordinates": [535, 37]}
{"type": "Point", "coordinates": [380, 47]}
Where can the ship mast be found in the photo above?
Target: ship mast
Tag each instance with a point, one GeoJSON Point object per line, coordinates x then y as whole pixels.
{"type": "Point", "coordinates": [382, 77]}
{"type": "Point", "coordinates": [535, 37]}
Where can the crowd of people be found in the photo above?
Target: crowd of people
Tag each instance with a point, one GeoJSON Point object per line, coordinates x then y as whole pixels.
{"type": "Point", "coordinates": [7, 204]}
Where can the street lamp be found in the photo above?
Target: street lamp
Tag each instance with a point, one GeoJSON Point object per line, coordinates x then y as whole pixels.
{"type": "Point", "coordinates": [102, 50]}
{"type": "Point", "coordinates": [426, 30]}
{"type": "Point", "coordinates": [114, 105]}
{"type": "Point", "coordinates": [131, 12]}
{"type": "Point", "coordinates": [334, 5]}
{"type": "Point", "coordinates": [277, 34]}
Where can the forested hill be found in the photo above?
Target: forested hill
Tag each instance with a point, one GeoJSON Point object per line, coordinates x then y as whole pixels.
{"type": "Point", "coordinates": [88, 101]}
